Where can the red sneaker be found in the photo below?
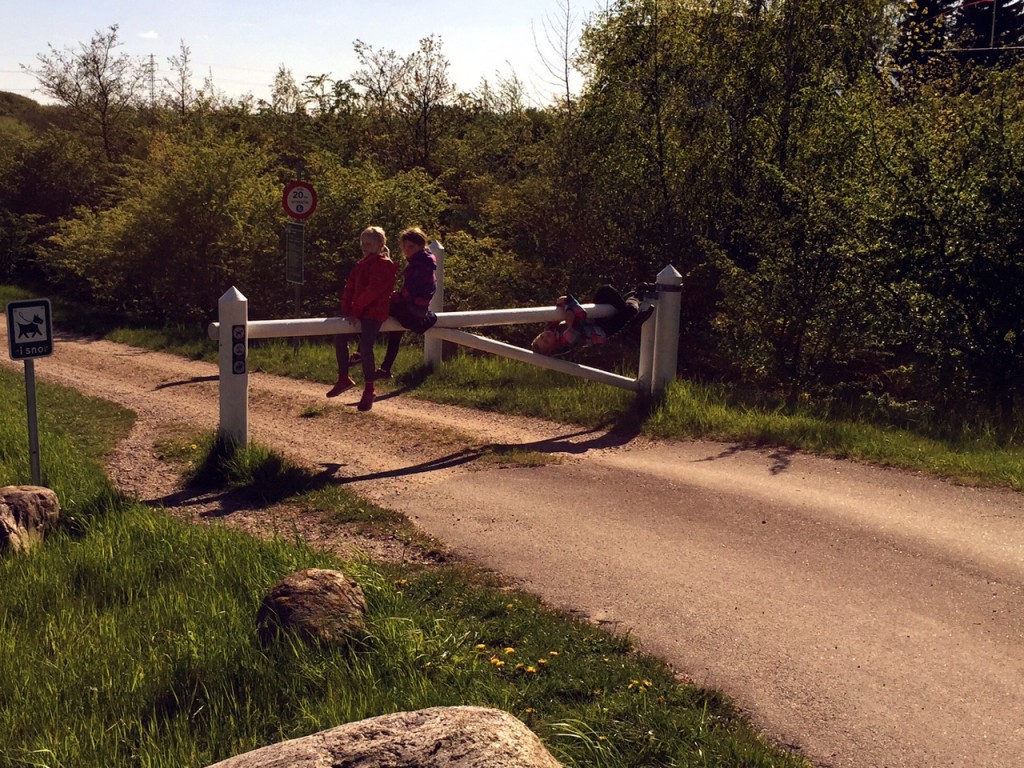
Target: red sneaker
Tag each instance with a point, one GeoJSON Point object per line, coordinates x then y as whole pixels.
{"type": "Point", "coordinates": [340, 386]}
{"type": "Point", "coordinates": [366, 401]}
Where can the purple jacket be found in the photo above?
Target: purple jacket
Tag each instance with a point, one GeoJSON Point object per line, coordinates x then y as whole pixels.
{"type": "Point", "coordinates": [419, 281]}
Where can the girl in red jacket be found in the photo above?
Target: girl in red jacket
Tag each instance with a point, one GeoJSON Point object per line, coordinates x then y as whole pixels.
{"type": "Point", "coordinates": [366, 298]}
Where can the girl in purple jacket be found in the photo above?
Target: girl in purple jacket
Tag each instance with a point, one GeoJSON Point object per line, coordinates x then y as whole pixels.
{"type": "Point", "coordinates": [411, 305]}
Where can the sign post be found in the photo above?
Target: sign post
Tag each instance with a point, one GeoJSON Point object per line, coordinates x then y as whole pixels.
{"type": "Point", "coordinates": [30, 335]}
{"type": "Point", "coordinates": [294, 244]}
{"type": "Point", "coordinates": [299, 202]}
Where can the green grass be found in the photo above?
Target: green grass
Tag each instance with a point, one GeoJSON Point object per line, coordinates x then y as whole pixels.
{"type": "Point", "coordinates": [129, 638]}
{"type": "Point", "coordinates": [75, 433]}
{"type": "Point", "coordinates": [690, 410]}
{"type": "Point", "coordinates": [180, 340]}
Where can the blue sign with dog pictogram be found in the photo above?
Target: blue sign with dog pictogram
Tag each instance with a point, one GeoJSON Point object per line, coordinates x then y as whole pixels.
{"type": "Point", "coordinates": [29, 329]}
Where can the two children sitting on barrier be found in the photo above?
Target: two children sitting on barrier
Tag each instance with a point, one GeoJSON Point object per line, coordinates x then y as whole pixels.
{"type": "Point", "coordinates": [575, 329]}
{"type": "Point", "coordinates": [368, 297]}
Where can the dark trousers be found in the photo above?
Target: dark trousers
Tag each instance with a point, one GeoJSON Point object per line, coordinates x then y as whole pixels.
{"type": "Point", "coordinates": [417, 319]}
{"type": "Point", "coordinates": [366, 338]}
{"type": "Point", "coordinates": [394, 342]}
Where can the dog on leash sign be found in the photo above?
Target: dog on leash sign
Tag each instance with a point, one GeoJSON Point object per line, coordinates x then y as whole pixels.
{"type": "Point", "coordinates": [29, 329]}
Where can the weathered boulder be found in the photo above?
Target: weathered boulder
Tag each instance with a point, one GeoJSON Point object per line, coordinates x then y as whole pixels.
{"type": "Point", "coordinates": [27, 514]}
{"type": "Point", "coordinates": [441, 737]}
{"type": "Point", "coordinates": [320, 604]}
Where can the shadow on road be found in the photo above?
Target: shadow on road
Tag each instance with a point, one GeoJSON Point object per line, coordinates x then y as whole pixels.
{"type": "Point", "coordinates": [781, 458]}
{"type": "Point", "coordinates": [567, 443]}
{"type": "Point", "coordinates": [183, 382]}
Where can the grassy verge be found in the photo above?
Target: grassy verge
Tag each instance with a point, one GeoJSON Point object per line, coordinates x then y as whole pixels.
{"type": "Point", "coordinates": [129, 640]}
{"type": "Point", "coordinates": [75, 432]}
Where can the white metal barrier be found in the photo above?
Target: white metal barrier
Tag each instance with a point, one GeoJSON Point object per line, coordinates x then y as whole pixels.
{"type": "Point", "coordinates": [658, 343]}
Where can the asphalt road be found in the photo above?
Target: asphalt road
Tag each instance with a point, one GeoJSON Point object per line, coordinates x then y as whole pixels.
{"type": "Point", "coordinates": [864, 616]}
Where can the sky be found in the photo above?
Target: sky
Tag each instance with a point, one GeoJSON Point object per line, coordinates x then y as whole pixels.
{"type": "Point", "coordinates": [244, 44]}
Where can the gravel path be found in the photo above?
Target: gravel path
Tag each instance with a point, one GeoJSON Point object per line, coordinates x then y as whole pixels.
{"type": "Point", "coordinates": [865, 617]}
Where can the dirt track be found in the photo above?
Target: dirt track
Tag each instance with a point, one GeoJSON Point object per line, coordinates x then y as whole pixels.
{"type": "Point", "coordinates": [865, 617]}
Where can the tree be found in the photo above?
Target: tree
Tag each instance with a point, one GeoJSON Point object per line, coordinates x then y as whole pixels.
{"type": "Point", "coordinates": [720, 137]}
{"type": "Point", "coordinates": [424, 92]}
{"type": "Point", "coordinates": [198, 214]}
{"type": "Point", "coordinates": [405, 97]}
{"type": "Point", "coordinates": [949, 207]}
{"type": "Point", "coordinates": [560, 50]}
{"type": "Point", "coordinates": [379, 79]}
{"type": "Point", "coordinates": [100, 85]}
{"type": "Point", "coordinates": [182, 94]}
{"type": "Point", "coordinates": [285, 96]}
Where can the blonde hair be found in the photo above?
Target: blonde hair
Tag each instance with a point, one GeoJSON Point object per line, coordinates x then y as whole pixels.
{"type": "Point", "coordinates": [414, 235]}
{"type": "Point", "coordinates": [375, 231]}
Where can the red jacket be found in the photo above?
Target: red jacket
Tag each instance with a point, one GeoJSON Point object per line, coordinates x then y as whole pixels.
{"type": "Point", "coordinates": [368, 288]}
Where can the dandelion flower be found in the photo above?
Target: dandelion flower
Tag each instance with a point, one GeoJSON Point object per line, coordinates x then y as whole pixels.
{"type": "Point", "coordinates": [542, 661]}
{"type": "Point", "coordinates": [481, 647]}
{"type": "Point", "coordinates": [510, 650]}
{"type": "Point", "coordinates": [530, 710]}
{"type": "Point", "coordinates": [531, 670]}
{"type": "Point", "coordinates": [497, 662]}
{"type": "Point", "coordinates": [553, 653]}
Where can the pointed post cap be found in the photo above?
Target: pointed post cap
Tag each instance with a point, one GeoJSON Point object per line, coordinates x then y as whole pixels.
{"type": "Point", "coordinates": [233, 294]}
{"type": "Point", "coordinates": [670, 276]}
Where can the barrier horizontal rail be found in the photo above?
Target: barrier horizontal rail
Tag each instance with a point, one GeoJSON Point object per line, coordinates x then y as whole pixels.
{"type": "Point", "coordinates": [330, 326]}
{"type": "Point", "coordinates": [542, 361]}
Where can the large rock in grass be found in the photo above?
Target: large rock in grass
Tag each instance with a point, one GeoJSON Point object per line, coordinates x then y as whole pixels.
{"type": "Point", "coordinates": [320, 604]}
{"type": "Point", "coordinates": [27, 514]}
{"type": "Point", "coordinates": [441, 737]}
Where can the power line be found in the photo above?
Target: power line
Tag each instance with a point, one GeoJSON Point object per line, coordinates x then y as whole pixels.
{"type": "Point", "coordinates": [966, 50]}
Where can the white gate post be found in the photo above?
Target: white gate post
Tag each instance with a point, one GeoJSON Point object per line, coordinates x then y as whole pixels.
{"type": "Point", "coordinates": [432, 346]}
{"type": "Point", "coordinates": [666, 330]}
{"type": "Point", "coordinates": [233, 315]}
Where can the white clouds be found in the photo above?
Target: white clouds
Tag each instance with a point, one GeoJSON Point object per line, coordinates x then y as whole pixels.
{"type": "Point", "coordinates": [151, 35]}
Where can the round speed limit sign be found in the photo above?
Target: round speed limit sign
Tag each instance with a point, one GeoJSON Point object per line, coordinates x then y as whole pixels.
{"type": "Point", "coordinates": [299, 200]}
